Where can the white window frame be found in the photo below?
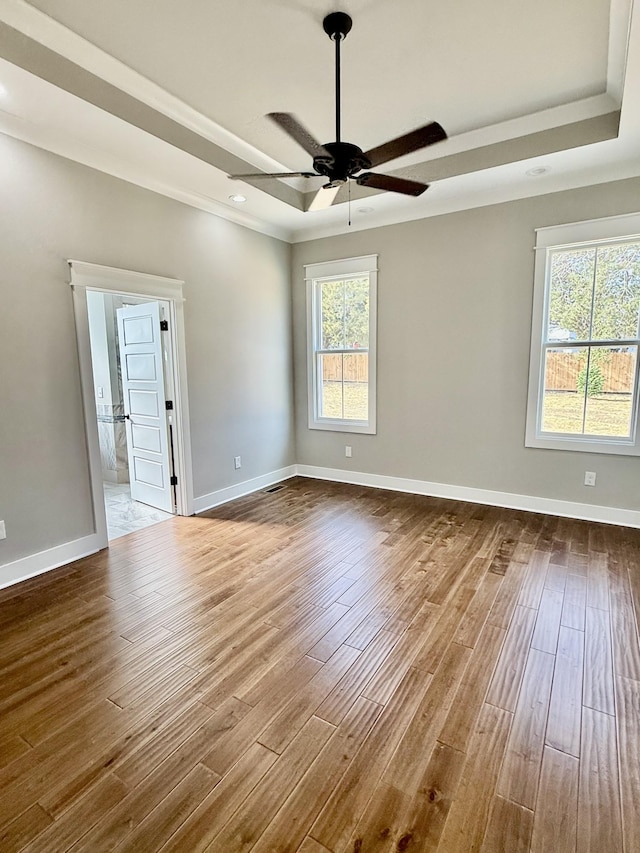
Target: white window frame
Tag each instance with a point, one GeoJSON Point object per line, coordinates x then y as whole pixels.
{"type": "Point", "coordinates": [593, 232]}
{"type": "Point", "coordinates": [317, 274]}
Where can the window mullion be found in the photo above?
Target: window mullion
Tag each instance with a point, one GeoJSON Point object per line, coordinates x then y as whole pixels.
{"type": "Point", "coordinates": [342, 386]}
{"type": "Point", "coordinates": [343, 351]}
{"type": "Point", "coordinates": [344, 315]}
{"type": "Point", "coordinates": [631, 342]}
{"type": "Point", "coordinates": [593, 291]}
{"type": "Point", "coordinates": [586, 391]}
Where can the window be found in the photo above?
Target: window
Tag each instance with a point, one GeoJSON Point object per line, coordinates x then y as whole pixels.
{"type": "Point", "coordinates": [583, 382]}
{"type": "Point", "coordinates": [341, 329]}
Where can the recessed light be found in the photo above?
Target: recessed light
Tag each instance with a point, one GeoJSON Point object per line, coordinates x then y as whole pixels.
{"type": "Point", "coordinates": [239, 199]}
{"type": "Point", "coordinates": [537, 171]}
{"type": "Point", "coordinates": [365, 210]}
{"type": "Point", "coordinates": [3, 91]}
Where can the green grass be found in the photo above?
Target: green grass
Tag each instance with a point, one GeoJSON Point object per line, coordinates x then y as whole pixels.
{"type": "Point", "coordinates": [607, 414]}
{"type": "Point", "coordinates": [356, 400]}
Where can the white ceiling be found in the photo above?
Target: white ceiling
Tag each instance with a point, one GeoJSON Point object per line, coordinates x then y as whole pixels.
{"type": "Point", "coordinates": [493, 74]}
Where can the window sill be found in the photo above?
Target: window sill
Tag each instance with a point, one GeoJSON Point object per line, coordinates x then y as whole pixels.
{"type": "Point", "coordinates": [587, 445]}
{"type": "Point", "coordinates": [344, 426]}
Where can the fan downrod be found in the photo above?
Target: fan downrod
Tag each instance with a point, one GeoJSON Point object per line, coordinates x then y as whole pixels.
{"type": "Point", "coordinates": [340, 161]}
{"type": "Point", "coordinates": [337, 24]}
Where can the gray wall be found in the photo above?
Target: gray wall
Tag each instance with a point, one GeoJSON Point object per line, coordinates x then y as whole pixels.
{"type": "Point", "coordinates": [453, 348]}
{"type": "Point", "coordinates": [238, 336]}
{"type": "Point", "coordinates": [454, 327]}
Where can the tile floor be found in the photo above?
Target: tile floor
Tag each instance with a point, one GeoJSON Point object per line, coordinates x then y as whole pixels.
{"type": "Point", "coordinates": [125, 515]}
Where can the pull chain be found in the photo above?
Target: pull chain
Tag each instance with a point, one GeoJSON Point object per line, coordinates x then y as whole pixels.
{"type": "Point", "coordinates": [349, 183]}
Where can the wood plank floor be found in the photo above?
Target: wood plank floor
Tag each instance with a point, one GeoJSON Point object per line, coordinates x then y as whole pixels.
{"type": "Point", "coordinates": [328, 668]}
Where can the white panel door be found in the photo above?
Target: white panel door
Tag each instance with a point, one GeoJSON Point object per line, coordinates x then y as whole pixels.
{"type": "Point", "coordinates": [141, 361]}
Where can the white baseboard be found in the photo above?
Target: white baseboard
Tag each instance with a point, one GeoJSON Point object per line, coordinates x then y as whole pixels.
{"type": "Point", "coordinates": [529, 503]}
{"type": "Point", "coordinates": [44, 561]}
{"type": "Point", "coordinates": [213, 499]}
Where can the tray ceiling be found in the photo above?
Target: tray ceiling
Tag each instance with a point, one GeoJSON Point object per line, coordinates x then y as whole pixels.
{"type": "Point", "coordinates": [510, 82]}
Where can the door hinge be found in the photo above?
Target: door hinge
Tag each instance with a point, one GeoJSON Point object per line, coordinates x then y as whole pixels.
{"type": "Point", "coordinates": [168, 404]}
{"type": "Point", "coordinates": [164, 325]}
{"type": "Point", "coordinates": [173, 481]}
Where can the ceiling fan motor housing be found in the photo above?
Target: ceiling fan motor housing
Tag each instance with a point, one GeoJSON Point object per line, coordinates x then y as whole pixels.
{"type": "Point", "coordinates": [337, 24]}
{"type": "Point", "coordinates": [346, 160]}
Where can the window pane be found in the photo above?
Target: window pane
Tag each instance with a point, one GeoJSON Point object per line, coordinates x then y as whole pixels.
{"type": "Point", "coordinates": [332, 308]}
{"type": "Point", "coordinates": [356, 386]}
{"type": "Point", "coordinates": [330, 387]}
{"type": "Point", "coordinates": [617, 292]}
{"type": "Point", "coordinates": [570, 295]}
{"type": "Point", "coordinates": [609, 386]}
{"type": "Point", "coordinates": [344, 388]}
{"type": "Point", "coordinates": [356, 300]}
{"type": "Point", "coordinates": [564, 392]}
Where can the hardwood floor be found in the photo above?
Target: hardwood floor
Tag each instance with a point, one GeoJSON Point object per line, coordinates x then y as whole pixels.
{"type": "Point", "coordinates": [328, 668]}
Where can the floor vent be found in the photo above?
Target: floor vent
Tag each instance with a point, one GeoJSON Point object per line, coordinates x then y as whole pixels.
{"type": "Point", "coordinates": [274, 489]}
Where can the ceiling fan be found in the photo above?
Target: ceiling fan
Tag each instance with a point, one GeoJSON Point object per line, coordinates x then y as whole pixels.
{"type": "Point", "coordinates": [341, 161]}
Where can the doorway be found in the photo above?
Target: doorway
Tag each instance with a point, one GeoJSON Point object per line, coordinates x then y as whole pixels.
{"type": "Point", "coordinates": [133, 372]}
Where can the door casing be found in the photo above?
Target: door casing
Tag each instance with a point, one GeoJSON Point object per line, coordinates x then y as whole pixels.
{"type": "Point", "coordinates": [126, 283]}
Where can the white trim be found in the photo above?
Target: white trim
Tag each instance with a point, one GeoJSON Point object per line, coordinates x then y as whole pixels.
{"type": "Point", "coordinates": [86, 276]}
{"type": "Point", "coordinates": [622, 41]}
{"type": "Point", "coordinates": [81, 314]}
{"type": "Point", "coordinates": [55, 36]}
{"type": "Point", "coordinates": [99, 277]}
{"type": "Point", "coordinates": [366, 265]}
{"type": "Point", "coordinates": [345, 266]}
{"type": "Point", "coordinates": [590, 232]}
{"type": "Point", "coordinates": [528, 503]}
{"type": "Point", "coordinates": [182, 450]}
{"type": "Point", "coordinates": [238, 490]}
{"type": "Point", "coordinates": [68, 552]}
{"type": "Point", "coordinates": [111, 162]}
{"type": "Point", "coordinates": [619, 33]}
{"type": "Point", "coordinates": [45, 561]}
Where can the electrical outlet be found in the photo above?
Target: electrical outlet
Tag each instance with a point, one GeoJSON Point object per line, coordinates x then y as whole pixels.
{"type": "Point", "coordinates": [589, 478]}
{"type": "Point", "coordinates": [100, 392]}
{"type": "Point", "coordinates": [237, 461]}
{"type": "Point", "coordinates": [3, 530]}
{"type": "Point", "coordinates": [347, 451]}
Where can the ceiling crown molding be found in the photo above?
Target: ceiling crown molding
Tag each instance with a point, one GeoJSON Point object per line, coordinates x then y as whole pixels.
{"type": "Point", "coordinates": [564, 135]}
{"type": "Point", "coordinates": [40, 28]}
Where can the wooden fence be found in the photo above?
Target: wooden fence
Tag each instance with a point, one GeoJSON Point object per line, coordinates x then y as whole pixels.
{"type": "Point", "coordinates": [617, 372]}
{"type": "Point", "coordinates": [562, 370]}
{"type": "Point", "coordinates": [355, 368]}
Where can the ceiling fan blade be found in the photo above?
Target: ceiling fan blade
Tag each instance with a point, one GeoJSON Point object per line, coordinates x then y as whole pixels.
{"type": "Point", "coordinates": [254, 175]}
{"type": "Point", "coordinates": [292, 126]}
{"type": "Point", "coordinates": [324, 198]}
{"type": "Point", "coordinates": [391, 184]}
{"type": "Point", "coordinates": [413, 141]}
